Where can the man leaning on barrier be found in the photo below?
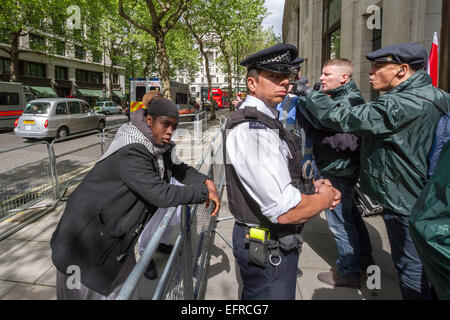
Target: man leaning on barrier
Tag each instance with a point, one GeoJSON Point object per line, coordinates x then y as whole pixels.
{"type": "Point", "coordinates": [267, 193]}
{"type": "Point", "coordinates": [106, 213]}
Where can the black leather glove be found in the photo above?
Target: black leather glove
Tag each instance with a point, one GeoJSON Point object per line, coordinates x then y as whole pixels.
{"type": "Point", "coordinates": [300, 89]}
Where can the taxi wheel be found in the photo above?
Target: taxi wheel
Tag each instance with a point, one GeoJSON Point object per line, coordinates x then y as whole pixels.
{"type": "Point", "coordinates": [62, 132]}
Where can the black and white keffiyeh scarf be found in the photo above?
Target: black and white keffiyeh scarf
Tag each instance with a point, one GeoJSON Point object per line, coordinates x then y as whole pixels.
{"type": "Point", "coordinates": [128, 134]}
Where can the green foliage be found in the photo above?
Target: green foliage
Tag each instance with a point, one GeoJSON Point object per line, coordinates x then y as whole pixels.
{"type": "Point", "coordinates": [184, 58]}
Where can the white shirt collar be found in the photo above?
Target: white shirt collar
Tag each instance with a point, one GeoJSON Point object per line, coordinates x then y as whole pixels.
{"type": "Point", "coordinates": [251, 101]}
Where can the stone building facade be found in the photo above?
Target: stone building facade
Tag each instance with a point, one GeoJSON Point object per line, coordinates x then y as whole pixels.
{"type": "Point", "coordinates": [71, 71]}
{"type": "Point", "coordinates": [324, 29]}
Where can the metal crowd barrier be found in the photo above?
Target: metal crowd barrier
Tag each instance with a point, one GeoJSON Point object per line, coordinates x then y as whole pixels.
{"type": "Point", "coordinates": [22, 189]}
{"type": "Point", "coordinates": [40, 184]}
{"type": "Point", "coordinates": [191, 129]}
{"type": "Point", "coordinates": [184, 276]}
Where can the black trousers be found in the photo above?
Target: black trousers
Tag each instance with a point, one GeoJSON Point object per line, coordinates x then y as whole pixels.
{"type": "Point", "coordinates": [269, 283]}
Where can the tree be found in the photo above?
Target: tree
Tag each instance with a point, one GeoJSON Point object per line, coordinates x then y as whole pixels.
{"type": "Point", "coordinates": [200, 26]}
{"type": "Point", "coordinates": [156, 18]}
{"type": "Point", "coordinates": [183, 56]}
{"type": "Point", "coordinates": [20, 17]}
{"type": "Point", "coordinates": [107, 32]}
{"type": "Point", "coordinates": [233, 26]}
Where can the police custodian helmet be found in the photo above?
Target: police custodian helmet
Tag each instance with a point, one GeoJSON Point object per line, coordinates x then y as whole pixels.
{"type": "Point", "coordinates": [277, 58]}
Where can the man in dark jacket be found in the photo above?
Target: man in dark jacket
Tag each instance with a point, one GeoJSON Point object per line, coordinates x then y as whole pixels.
{"type": "Point", "coordinates": [430, 223]}
{"type": "Point", "coordinates": [106, 213]}
{"type": "Point", "coordinates": [397, 132]}
{"type": "Point", "coordinates": [337, 156]}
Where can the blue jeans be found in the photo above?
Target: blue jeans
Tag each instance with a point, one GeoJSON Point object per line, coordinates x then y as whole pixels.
{"type": "Point", "coordinates": [269, 283]}
{"type": "Point", "coordinates": [349, 230]}
{"type": "Point", "coordinates": [413, 280]}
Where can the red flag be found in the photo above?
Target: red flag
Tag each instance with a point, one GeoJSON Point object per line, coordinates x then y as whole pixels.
{"type": "Point", "coordinates": [433, 61]}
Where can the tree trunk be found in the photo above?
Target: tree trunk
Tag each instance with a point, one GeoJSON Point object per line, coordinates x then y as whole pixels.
{"type": "Point", "coordinates": [111, 78]}
{"type": "Point", "coordinates": [163, 62]}
{"type": "Point", "coordinates": [208, 78]}
{"type": "Point", "coordinates": [14, 67]}
{"type": "Point", "coordinates": [229, 72]}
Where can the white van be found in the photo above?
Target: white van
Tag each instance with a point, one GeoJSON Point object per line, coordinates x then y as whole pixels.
{"type": "Point", "coordinates": [12, 103]}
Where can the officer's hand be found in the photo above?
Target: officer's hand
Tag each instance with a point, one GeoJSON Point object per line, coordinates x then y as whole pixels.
{"type": "Point", "coordinates": [319, 183]}
{"type": "Point", "coordinates": [212, 196]}
{"type": "Point", "coordinates": [334, 195]}
{"type": "Point", "coordinates": [337, 199]}
{"type": "Point", "coordinates": [301, 90]}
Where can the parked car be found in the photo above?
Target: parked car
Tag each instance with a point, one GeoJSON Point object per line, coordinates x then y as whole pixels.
{"type": "Point", "coordinates": [57, 117]}
{"type": "Point", "coordinates": [108, 107]}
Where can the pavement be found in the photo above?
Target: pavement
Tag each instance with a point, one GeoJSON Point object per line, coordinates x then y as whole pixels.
{"type": "Point", "coordinates": [319, 254]}
{"type": "Point", "coordinates": [27, 272]}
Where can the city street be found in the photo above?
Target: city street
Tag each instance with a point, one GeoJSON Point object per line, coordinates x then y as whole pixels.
{"type": "Point", "coordinates": [36, 151]}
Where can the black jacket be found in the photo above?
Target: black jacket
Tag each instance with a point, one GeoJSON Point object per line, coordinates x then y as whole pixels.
{"type": "Point", "coordinates": [108, 210]}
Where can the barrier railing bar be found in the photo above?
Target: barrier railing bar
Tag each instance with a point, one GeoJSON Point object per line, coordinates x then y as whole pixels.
{"type": "Point", "coordinates": [168, 269]}
{"type": "Point", "coordinates": [188, 290]}
{"type": "Point", "coordinates": [27, 222]}
{"type": "Point", "coordinates": [202, 273]}
{"type": "Point", "coordinates": [130, 284]}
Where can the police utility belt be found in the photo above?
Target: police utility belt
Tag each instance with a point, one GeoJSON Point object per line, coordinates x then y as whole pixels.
{"type": "Point", "coordinates": [265, 246]}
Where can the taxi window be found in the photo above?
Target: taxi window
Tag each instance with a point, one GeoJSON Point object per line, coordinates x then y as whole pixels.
{"type": "Point", "coordinates": [86, 107]}
{"type": "Point", "coordinates": [37, 108]}
{"type": "Point", "coordinates": [74, 107]}
{"type": "Point", "coordinates": [61, 108]}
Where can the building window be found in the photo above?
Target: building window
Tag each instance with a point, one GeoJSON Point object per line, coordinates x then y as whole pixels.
{"type": "Point", "coordinates": [96, 77]}
{"type": "Point", "coordinates": [61, 73]}
{"type": "Point", "coordinates": [59, 47]}
{"type": "Point", "coordinates": [5, 65]}
{"type": "Point", "coordinates": [115, 78]}
{"type": "Point", "coordinates": [34, 69]}
{"type": "Point", "coordinates": [88, 76]}
{"type": "Point", "coordinates": [193, 89]}
{"type": "Point", "coordinates": [331, 46]}
{"type": "Point", "coordinates": [97, 56]}
{"type": "Point", "coordinates": [37, 42]}
{"type": "Point", "coordinates": [80, 53]}
{"type": "Point", "coordinates": [81, 75]}
{"type": "Point", "coordinates": [4, 36]}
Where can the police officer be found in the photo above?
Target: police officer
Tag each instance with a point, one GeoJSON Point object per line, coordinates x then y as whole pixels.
{"type": "Point", "coordinates": [397, 131]}
{"type": "Point", "coordinates": [264, 183]}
